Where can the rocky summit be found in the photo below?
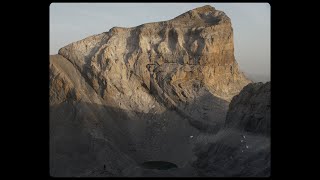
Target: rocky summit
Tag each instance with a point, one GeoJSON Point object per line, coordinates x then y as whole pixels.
{"type": "Point", "coordinates": [132, 95]}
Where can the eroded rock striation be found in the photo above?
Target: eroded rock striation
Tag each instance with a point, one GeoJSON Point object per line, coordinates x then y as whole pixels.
{"type": "Point", "coordinates": [169, 58]}
{"type": "Point", "coordinates": [139, 93]}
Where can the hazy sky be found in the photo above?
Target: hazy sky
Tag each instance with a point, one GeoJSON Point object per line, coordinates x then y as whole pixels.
{"type": "Point", "coordinates": [71, 22]}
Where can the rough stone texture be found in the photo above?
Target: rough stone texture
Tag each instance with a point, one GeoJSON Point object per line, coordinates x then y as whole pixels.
{"type": "Point", "coordinates": [131, 95]}
{"type": "Point", "coordinates": [242, 148]}
{"type": "Point", "coordinates": [250, 110]}
{"type": "Point", "coordinates": [86, 132]}
{"type": "Point", "coordinates": [83, 134]}
{"type": "Point", "coordinates": [168, 58]}
{"type": "Point", "coordinates": [228, 154]}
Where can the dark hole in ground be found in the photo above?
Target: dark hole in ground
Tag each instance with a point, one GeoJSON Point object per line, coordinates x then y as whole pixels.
{"type": "Point", "coordinates": [160, 165]}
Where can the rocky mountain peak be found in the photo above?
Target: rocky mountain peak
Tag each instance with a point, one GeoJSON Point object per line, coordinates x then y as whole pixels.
{"type": "Point", "coordinates": [138, 91]}
{"type": "Point", "coordinates": [204, 16]}
{"type": "Point", "coordinates": [204, 9]}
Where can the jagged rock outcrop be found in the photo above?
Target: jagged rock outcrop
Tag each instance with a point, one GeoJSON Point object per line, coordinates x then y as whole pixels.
{"type": "Point", "coordinates": [242, 148]}
{"type": "Point", "coordinates": [250, 110]}
{"type": "Point", "coordinates": [168, 58]}
{"type": "Point", "coordinates": [142, 92]}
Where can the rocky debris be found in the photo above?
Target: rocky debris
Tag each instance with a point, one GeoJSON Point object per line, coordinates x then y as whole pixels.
{"type": "Point", "coordinates": [131, 95]}
{"type": "Point", "coordinates": [250, 110]}
{"type": "Point", "coordinates": [242, 147]}
{"type": "Point", "coordinates": [221, 159]}
{"type": "Point", "coordinates": [224, 155]}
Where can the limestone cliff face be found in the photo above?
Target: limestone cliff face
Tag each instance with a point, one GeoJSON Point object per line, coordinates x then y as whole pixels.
{"type": "Point", "coordinates": [168, 58]}
{"type": "Point", "coordinates": [141, 92]}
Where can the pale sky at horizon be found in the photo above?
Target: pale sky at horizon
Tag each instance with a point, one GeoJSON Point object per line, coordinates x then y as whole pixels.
{"type": "Point", "coordinates": [70, 22]}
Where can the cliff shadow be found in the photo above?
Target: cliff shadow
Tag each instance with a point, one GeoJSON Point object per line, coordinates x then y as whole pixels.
{"type": "Point", "coordinates": [86, 136]}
